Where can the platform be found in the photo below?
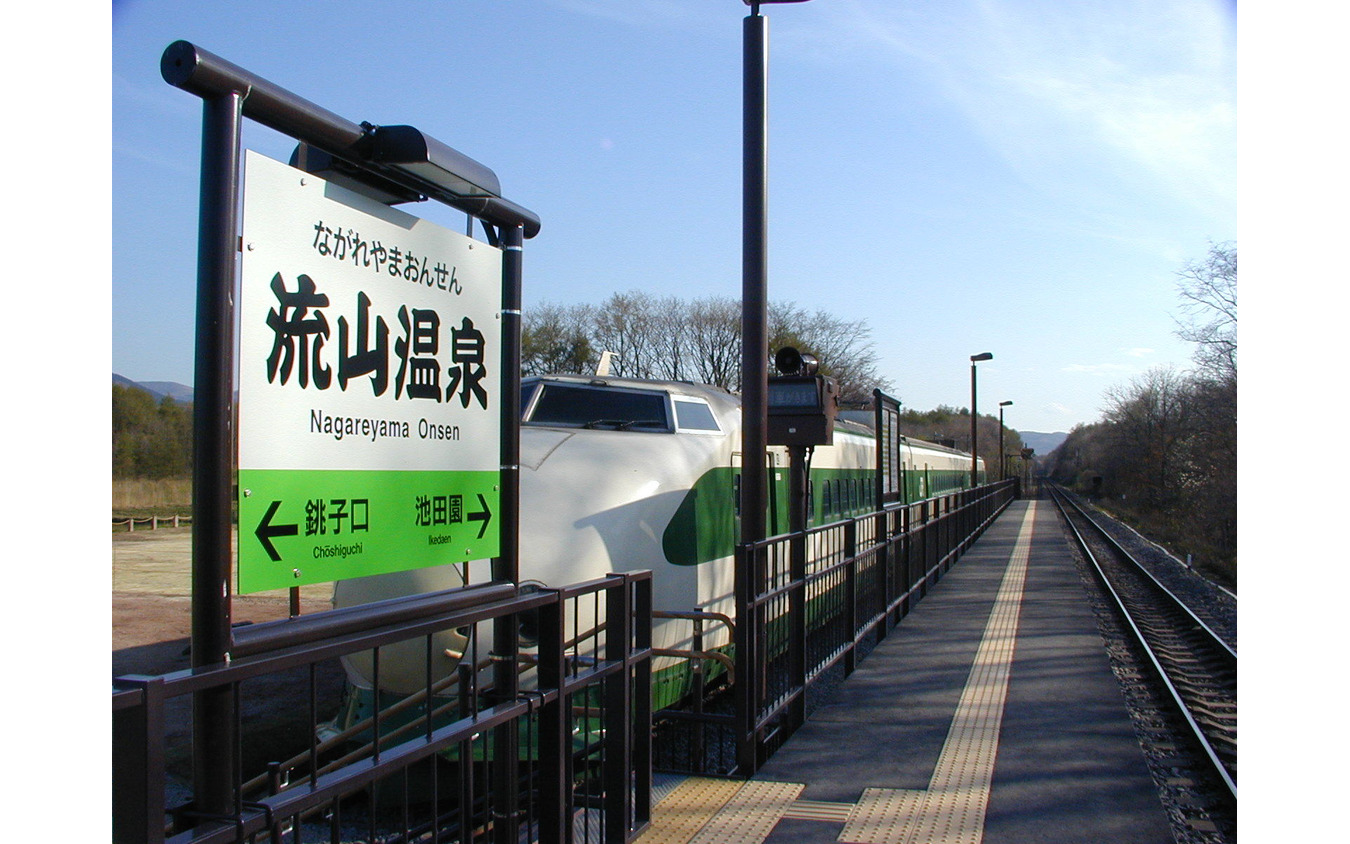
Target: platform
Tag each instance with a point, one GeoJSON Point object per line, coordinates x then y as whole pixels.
{"type": "Point", "coordinates": [990, 714]}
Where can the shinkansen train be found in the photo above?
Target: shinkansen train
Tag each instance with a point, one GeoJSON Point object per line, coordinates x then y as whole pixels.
{"type": "Point", "coordinates": [622, 474]}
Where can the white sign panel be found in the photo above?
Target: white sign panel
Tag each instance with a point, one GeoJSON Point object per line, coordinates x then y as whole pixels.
{"type": "Point", "coordinates": [369, 423]}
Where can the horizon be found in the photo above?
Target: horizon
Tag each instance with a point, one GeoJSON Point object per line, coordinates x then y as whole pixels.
{"type": "Point", "coordinates": [146, 383]}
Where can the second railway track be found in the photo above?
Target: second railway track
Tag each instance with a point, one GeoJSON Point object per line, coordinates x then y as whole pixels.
{"type": "Point", "coordinates": [1194, 664]}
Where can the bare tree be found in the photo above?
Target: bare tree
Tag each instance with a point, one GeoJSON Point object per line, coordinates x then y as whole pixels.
{"type": "Point", "coordinates": [699, 340]}
{"type": "Point", "coordinates": [623, 325]}
{"type": "Point", "coordinates": [843, 346]}
{"type": "Point", "coordinates": [714, 336]}
{"type": "Point", "coordinates": [555, 339]}
{"type": "Point", "coordinates": [1208, 291]}
{"type": "Point", "coordinates": [1151, 419]}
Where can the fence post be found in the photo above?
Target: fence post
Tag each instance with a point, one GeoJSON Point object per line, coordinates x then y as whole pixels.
{"type": "Point", "coordinates": [138, 764]}
{"type": "Point", "coordinates": [852, 592]}
{"type": "Point", "coordinates": [883, 533]}
{"type": "Point", "coordinates": [747, 672]}
{"type": "Point", "coordinates": [618, 702]}
{"type": "Point", "coordinates": [554, 755]}
{"type": "Point", "coordinates": [641, 621]}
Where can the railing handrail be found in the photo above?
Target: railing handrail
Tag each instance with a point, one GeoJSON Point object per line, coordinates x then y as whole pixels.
{"type": "Point", "coordinates": [139, 701]}
{"type": "Point", "coordinates": [940, 530]}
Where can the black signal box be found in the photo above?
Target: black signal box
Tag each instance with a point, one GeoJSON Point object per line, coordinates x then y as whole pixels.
{"type": "Point", "coordinates": [802, 409]}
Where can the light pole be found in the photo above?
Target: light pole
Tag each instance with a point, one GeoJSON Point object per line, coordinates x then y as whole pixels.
{"type": "Point", "coordinates": [974, 416]}
{"type": "Point", "coordinates": [1002, 472]}
{"type": "Point", "coordinates": [754, 358]}
{"type": "Point", "coordinates": [754, 271]}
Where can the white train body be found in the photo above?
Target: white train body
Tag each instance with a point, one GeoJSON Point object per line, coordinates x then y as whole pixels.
{"type": "Point", "coordinates": [622, 475]}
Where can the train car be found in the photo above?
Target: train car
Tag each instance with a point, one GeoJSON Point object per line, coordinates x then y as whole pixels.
{"type": "Point", "coordinates": [623, 474]}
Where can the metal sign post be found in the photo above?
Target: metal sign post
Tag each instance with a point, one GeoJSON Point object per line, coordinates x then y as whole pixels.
{"type": "Point", "coordinates": [213, 734]}
{"type": "Point", "coordinates": [397, 163]}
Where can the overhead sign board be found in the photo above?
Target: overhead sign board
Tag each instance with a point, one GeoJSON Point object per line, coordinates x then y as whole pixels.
{"type": "Point", "coordinates": [369, 355]}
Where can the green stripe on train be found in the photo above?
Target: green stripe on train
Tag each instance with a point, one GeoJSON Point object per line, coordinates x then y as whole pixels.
{"type": "Point", "coordinates": [704, 527]}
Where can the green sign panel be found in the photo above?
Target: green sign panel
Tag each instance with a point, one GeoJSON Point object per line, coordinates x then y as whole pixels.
{"type": "Point", "coordinates": [369, 367]}
{"type": "Point", "coordinates": [317, 526]}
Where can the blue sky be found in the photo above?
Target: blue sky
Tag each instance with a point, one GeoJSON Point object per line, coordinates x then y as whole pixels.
{"type": "Point", "coordinates": [1018, 177]}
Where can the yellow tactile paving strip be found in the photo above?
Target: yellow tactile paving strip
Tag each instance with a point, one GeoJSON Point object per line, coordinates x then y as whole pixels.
{"type": "Point", "coordinates": [950, 811]}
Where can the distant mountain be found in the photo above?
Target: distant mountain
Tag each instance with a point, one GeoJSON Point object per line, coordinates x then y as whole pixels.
{"type": "Point", "coordinates": [1043, 443]}
{"type": "Point", "coordinates": [159, 389]}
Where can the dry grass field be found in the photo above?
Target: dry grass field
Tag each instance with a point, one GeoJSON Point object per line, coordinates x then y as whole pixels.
{"type": "Point", "coordinates": [135, 494]}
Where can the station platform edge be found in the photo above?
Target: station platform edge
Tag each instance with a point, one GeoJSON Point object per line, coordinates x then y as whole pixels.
{"type": "Point", "coordinates": [989, 715]}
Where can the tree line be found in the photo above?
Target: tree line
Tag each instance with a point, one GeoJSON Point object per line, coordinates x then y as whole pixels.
{"type": "Point", "coordinates": [648, 337]}
{"type": "Point", "coordinates": [950, 426]}
{"type": "Point", "coordinates": [1165, 451]}
{"type": "Point", "coordinates": [665, 338]}
{"type": "Point", "coordinates": [150, 439]}
{"type": "Point", "coordinates": [674, 339]}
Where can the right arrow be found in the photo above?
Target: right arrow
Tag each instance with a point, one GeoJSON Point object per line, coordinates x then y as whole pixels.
{"type": "Point", "coordinates": [484, 516]}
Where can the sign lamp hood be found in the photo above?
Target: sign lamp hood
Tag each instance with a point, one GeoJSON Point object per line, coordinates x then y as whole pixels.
{"type": "Point", "coordinates": [446, 170]}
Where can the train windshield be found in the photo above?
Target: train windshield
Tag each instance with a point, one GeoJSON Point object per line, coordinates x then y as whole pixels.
{"type": "Point", "coordinates": [587, 406]}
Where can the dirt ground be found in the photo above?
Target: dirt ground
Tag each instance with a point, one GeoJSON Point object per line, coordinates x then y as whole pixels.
{"type": "Point", "coordinates": [152, 601]}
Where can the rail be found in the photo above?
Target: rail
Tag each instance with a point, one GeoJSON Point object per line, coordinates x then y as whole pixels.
{"type": "Point", "coordinates": [423, 765]}
{"type": "Point", "coordinates": [1195, 666]}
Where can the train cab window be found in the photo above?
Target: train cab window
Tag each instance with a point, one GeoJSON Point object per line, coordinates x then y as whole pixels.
{"type": "Point", "coordinates": [527, 392]}
{"type": "Point", "coordinates": [591, 406]}
{"type": "Point", "coordinates": [694, 415]}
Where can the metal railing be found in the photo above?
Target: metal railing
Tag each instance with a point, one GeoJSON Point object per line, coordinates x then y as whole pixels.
{"type": "Point", "coordinates": [823, 595]}
{"type": "Point", "coordinates": [427, 766]}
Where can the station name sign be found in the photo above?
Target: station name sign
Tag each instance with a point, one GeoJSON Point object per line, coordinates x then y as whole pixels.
{"type": "Point", "coordinates": [369, 423]}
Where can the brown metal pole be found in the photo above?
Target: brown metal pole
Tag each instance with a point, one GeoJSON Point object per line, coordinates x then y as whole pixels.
{"type": "Point", "coordinates": [754, 367]}
{"type": "Point", "coordinates": [974, 428]}
{"type": "Point", "coordinates": [213, 723]}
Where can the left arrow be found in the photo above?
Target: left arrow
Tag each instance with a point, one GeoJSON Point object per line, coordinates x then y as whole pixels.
{"type": "Point", "coordinates": [267, 531]}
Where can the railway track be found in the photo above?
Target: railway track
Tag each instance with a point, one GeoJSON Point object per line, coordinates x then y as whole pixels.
{"type": "Point", "coordinates": [1195, 666]}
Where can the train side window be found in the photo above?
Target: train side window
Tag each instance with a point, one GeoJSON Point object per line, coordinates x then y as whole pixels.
{"type": "Point", "coordinates": [827, 506]}
{"type": "Point", "coordinates": [694, 415]}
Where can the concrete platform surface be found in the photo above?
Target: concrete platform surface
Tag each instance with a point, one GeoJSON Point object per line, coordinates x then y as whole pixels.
{"type": "Point", "coordinates": [990, 714]}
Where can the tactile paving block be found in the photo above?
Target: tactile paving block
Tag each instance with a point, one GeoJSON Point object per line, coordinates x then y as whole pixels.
{"type": "Point", "coordinates": [686, 809]}
{"type": "Point", "coordinates": [819, 810]}
{"type": "Point", "coordinates": [751, 814]}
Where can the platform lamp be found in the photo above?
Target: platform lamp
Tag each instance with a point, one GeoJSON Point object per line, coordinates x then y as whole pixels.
{"type": "Point", "coordinates": [974, 416]}
{"type": "Point", "coordinates": [754, 357]}
{"type": "Point", "coordinates": [754, 269]}
{"type": "Point", "coordinates": [1002, 472]}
